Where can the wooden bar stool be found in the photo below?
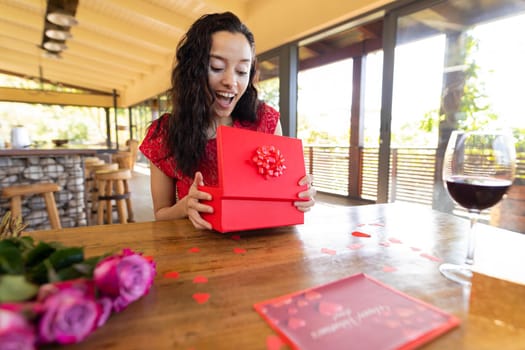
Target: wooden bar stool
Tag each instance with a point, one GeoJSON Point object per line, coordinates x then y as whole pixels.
{"type": "Point", "coordinates": [126, 159]}
{"type": "Point", "coordinates": [92, 160]}
{"type": "Point", "coordinates": [89, 163]}
{"type": "Point", "coordinates": [113, 185]}
{"type": "Point", "coordinates": [16, 192]}
{"type": "Point", "coordinates": [92, 191]}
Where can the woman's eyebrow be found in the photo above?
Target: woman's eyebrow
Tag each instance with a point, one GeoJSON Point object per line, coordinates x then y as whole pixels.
{"type": "Point", "coordinates": [244, 60]}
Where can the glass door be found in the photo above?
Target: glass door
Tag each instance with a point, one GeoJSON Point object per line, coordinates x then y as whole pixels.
{"type": "Point", "coordinates": [454, 67]}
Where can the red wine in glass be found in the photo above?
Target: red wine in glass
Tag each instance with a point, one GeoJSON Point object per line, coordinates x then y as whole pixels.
{"type": "Point", "coordinates": [478, 169]}
{"type": "Point", "coordinates": [477, 192]}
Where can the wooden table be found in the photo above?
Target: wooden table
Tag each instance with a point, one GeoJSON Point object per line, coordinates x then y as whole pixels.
{"type": "Point", "coordinates": [283, 260]}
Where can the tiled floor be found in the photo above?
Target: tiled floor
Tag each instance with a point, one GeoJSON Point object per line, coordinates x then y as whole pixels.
{"type": "Point", "coordinates": [141, 194]}
{"type": "Point", "coordinates": [143, 207]}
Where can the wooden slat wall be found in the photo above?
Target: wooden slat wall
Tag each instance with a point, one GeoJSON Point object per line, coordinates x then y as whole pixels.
{"type": "Point", "coordinates": [412, 175]}
{"type": "Point", "coordinates": [411, 172]}
{"type": "Point", "coordinates": [329, 166]}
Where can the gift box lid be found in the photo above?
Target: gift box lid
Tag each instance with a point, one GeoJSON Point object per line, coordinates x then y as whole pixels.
{"type": "Point", "coordinates": [256, 165]}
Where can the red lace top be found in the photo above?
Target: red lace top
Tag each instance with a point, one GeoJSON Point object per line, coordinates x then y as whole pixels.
{"type": "Point", "coordinates": [155, 149]}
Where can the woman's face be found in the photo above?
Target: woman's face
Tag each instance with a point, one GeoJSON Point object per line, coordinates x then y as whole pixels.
{"type": "Point", "coordinates": [229, 71]}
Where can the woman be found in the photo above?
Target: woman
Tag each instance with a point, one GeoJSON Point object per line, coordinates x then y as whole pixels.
{"type": "Point", "coordinates": [212, 85]}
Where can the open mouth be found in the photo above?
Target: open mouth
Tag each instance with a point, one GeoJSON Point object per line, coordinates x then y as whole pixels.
{"type": "Point", "coordinates": [224, 98]}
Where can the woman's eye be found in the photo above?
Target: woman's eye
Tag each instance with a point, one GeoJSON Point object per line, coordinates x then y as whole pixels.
{"type": "Point", "coordinates": [215, 69]}
{"type": "Point", "coordinates": [242, 73]}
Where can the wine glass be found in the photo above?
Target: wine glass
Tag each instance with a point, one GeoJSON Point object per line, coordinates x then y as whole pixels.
{"type": "Point", "coordinates": [478, 169]}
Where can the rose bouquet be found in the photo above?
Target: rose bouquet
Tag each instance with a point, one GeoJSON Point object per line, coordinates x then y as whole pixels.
{"type": "Point", "coordinates": [50, 293]}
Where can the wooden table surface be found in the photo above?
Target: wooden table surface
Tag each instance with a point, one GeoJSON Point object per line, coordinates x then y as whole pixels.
{"type": "Point", "coordinates": [283, 260]}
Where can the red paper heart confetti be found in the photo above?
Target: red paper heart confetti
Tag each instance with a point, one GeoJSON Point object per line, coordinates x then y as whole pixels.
{"type": "Point", "coordinates": [239, 250]}
{"type": "Point", "coordinates": [194, 250]}
{"type": "Point", "coordinates": [148, 258]}
{"type": "Point", "coordinates": [295, 323]}
{"type": "Point", "coordinates": [274, 342]}
{"type": "Point", "coordinates": [431, 257]}
{"type": "Point", "coordinates": [415, 249]}
{"type": "Point", "coordinates": [235, 237]}
{"type": "Point", "coordinates": [200, 279]}
{"type": "Point", "coordinates": [360, 234]}
{"type": "Point", "coordinates": [201, 298]}
{"type": "Point", "coordinates": [269, 161]}
{"type": "Point", "coordinates": [329, 309]}
{"type": "Point", "coordinates": [328, 251]}
{"type": "Point", "coordinates": [171, 274]}
{"type": "Point", "coordinates": [387, 268]}
{"type": "Point", "coordinates": [384, 244]}
{"type": "Point", "coordinates": [395, 240]}
{"type": "Point", "coordinates": [355, 246]}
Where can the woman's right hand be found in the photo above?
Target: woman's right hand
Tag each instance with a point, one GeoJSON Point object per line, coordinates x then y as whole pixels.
{"type": "Point", "coordinates": [194, 207]}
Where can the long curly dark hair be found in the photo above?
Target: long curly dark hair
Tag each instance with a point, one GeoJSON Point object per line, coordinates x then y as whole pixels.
{"type": "Point", "coordinates": [191, 95]}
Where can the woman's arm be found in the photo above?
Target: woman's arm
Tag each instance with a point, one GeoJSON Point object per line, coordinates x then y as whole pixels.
{"type": "Point", "coordinates": [163, 195]}
{"type": "Point", "coordinates": [165, 205]}
{"type": "Point", "coordinates": [278, 129]}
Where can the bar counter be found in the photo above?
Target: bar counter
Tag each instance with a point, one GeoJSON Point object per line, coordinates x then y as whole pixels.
{"type": "Point", "coordinates": [48, 150]}
{"type": "Point", "coordinates": [63, 165]}
{"type": "Point", "coordinates": [407, 243]}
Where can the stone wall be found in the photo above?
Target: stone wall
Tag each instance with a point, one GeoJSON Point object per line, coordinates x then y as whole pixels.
{"type": "Point", "coordinates": [66, 171]}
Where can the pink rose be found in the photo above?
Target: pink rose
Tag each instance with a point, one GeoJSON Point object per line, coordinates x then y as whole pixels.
{"type": "Point", "coordinates": [86, 286]}
{"type": "Point", "coordinates": [29, 309]}
{"type": "Point", "coordinates": [15, 332]}
{"type": "Point", "coordinates": [106, 305]}
{"type": "Point", "coordinates": [70, 312]}
{"type": "Point", "coordinates": [124, 278]}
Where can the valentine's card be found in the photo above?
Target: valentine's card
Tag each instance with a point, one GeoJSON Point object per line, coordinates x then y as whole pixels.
{"type": "Point", "coordinates": [356, 312]}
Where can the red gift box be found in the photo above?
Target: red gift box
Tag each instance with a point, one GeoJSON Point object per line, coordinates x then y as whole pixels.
{"type": "Point", "coordinates": [258, 181]}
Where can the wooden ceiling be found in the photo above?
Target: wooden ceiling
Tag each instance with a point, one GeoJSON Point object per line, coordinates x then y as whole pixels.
{"type": "Point", "coordinates": [114, 46]}
{"type": "Point", "coordinates": [121, 44]}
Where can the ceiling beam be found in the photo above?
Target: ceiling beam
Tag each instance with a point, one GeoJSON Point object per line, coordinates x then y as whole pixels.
{"type": "Point", "coordinates": [127, 32]}
{"type": "Point", "coordinates": [132, 51]}
{"type": "Point", "coordinates": [359, 49]}
{"type": "Point", "coordinates": [76, 80]}
{"type": "Point", "coordinates": [66, 66]}
{"type": "Point", "coordinates": [55, 98]}
{"type": "Point", "coordinates": [160, 14]}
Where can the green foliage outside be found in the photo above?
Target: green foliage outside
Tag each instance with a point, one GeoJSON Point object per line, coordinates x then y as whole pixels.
{"type": "Point", "coordinates": [80, 125]}
{"type": "Point", "coordinates": [269, 92]}
{"type": "Point", "coordinates": [47, 122]}
{"type": "Point", "coordinates": [475, 111]}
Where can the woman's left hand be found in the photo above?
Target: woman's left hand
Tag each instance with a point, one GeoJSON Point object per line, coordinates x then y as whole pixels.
{"type": "Point", "coordinates": [306, 205]}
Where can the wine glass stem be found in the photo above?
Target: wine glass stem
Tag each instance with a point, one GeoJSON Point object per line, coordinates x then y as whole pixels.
{"type": "Point", "coordinates": [471, 238]}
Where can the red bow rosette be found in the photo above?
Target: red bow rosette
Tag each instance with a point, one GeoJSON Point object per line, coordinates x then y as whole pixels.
{"type": "Point", "coordinates": [269, 161]}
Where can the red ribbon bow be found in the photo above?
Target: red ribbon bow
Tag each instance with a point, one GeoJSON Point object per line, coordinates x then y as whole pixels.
{"type": "Point", "coordinates": [269, 161]}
